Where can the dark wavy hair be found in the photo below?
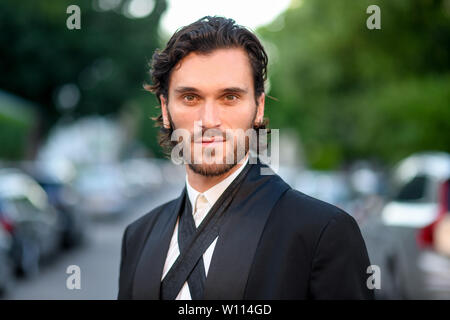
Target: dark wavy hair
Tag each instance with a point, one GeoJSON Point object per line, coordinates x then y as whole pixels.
{"type": "Point", "coordinates": [204, 36]}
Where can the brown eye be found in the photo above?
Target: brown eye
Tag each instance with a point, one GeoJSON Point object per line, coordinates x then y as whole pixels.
{"type": "Point", "coordinates": [231, 97]}
{"type": "Point", "coordinates": [189, 98]}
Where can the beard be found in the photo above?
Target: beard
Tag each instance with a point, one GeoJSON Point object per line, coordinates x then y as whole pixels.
{"type": "Point", "coordinates": [215, 169]}
{"type": "Point", "coordinates": [218, 169]}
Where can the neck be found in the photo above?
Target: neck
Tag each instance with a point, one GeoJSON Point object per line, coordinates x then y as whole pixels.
{"type": "Point", "coordinates": [202, 183]}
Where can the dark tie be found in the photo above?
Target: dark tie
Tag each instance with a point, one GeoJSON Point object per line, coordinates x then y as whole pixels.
{"type": "Point", "coordinates": [187, 229]}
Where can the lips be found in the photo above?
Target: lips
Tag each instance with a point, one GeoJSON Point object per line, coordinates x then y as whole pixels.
{"type": "Point", "coordinates": [208, 140]}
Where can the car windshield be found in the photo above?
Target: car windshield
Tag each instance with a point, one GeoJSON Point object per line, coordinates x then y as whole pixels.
{"type": "Point", "coordinates": [413, 190]}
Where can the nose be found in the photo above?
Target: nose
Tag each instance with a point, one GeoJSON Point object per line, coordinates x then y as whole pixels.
{"type": "Point", "coordinates": [210, 115]}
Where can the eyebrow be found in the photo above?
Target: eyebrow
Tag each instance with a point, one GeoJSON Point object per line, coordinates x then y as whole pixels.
{"type": "Point", "coordinates": [235, 90]}
{"type": "Point", "coordinates": [181, 90]}
{"type": "Point", "coordinates": [185, 89]}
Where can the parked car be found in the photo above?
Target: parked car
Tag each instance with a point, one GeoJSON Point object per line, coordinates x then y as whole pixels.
{"type": "Point", "coordinates": [411, 241]}
{"type": "Point", "coordinates": [27, 215]}
{"type": "Point", "coordinates": [64, 198]}
{"type": "Point", "coordinates": [6, 264]}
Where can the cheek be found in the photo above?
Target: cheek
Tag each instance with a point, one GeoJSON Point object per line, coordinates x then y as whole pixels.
{"type": "Point", "coordinates": [183, 117]}
{"type": "Point", "coordinates": [238, 119]}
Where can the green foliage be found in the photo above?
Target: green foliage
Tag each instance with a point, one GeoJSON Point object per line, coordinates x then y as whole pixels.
{"type": "Point", "coordinates": [106, 58]}
{"type": "Point", "coordinates": [13, 135]}
{"type": "Point", "coordinates": [351, 92]}
{"type": "Point", "coordinates": [18, 121]}
{"type": "Point", "coordinates": [404, 117]}
{"type": "Point", "coordinates": [144, 107]}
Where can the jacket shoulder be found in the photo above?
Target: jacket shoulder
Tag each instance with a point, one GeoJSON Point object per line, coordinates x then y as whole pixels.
{"type": "Point", "coordinates": [307, 217]}
{"type": "Point", "coordinates": [308, 209]}
{"type": "Point", "coordinates": [329, 239]}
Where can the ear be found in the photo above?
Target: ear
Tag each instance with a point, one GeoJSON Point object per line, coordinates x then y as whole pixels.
{"type": "Point", "coordinates": [260, 108]}
{"type": "Point", "coordinates": [165, 114]}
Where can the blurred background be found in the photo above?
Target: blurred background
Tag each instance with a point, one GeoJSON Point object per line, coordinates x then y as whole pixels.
{"type": "Point", "coordinates": [364, 117]}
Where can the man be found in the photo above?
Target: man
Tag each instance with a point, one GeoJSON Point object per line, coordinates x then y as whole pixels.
{"type": "Point", "coordinates": [233, 233]}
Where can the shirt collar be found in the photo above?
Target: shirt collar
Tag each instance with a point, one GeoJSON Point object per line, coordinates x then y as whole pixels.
{"type": "Point", "coordinates": [214, 193]}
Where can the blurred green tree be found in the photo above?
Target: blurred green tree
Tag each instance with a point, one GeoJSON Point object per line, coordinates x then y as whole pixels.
{"type": "Point", "coordinates": [94, 70]}
{"type": "Point", "coordinates": [351, 92]}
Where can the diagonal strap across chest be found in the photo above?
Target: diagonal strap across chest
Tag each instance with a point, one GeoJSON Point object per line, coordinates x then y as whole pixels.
{"type": "Point", "coordinates": [205, 234]}
{"type": "Point", "coordinates": [187, 229]}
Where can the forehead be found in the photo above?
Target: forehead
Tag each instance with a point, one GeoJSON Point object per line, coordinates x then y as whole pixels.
{"type": "Point", "coordinates": [221, 68]}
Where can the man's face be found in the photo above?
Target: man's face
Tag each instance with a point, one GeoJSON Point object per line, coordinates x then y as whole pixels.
{"type": "Point", "coordinates": [216, 89]}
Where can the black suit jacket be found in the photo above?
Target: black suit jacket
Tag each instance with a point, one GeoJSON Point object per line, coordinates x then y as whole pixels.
{"type": "Point", "coordinates": [277, 244]}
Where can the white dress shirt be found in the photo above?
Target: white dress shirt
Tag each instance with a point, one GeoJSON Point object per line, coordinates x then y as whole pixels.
{"type": "Point", "coordinates": [211, 195]}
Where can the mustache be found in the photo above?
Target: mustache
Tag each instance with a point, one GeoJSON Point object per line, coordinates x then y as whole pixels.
{"type": "Point", "coordinates": [209, 134]}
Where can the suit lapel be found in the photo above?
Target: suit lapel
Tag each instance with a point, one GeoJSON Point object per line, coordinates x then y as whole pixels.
{"type": "Point", "coordinates": [239, 236]}
{"type": "Point", "coordinates": [147, 278]}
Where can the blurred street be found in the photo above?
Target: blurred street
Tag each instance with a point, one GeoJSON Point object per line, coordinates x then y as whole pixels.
{"type": "Point", "coordinates": [98, 259]}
